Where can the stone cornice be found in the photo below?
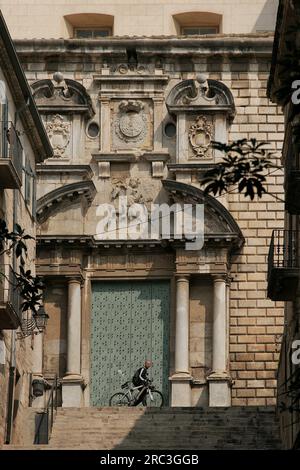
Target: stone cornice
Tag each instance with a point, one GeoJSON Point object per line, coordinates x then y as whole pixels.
{"type": "Point", "coordinates": [188, 167]}
{"type": "Point", "coordinates": [129, 78]}
{"type": "Point", "coordinates": [233, 45]}
{"type": "Point", "coordinates": [84, 171]}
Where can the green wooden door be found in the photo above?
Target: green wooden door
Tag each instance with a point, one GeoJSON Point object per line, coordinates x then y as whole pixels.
{"type": "Point", "coordinates": [130, 323]}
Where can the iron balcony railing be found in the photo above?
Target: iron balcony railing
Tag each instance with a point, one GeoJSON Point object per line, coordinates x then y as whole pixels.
{"type": "Point", "coordinates": [283, 249]}
{"type": "Point", "coordinates": [14, 293]}
{"type": "Point", "coordinates": [8, 291]}
{"type": "Point", "coordinates": [10, 302]}
{"type": "Point", "coordinates": [283, 265]}
{"type": "Point", "coordinates": [10, 146]}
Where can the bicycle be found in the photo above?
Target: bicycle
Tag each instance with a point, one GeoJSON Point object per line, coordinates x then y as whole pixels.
{"type": "Point", "coordinates": [153, 397]}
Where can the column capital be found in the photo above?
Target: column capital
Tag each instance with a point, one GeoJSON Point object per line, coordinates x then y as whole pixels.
{"type": "Point", "coordinates": [222, 277]}
{"type": "Point", "coordinates": [158, 99]}
{"type": "Point", "coordinates": [104, 99]}
{"type": "Point", "coordinates": [182, 277]}
{"type": "Point", "coordinates": [75, 279]}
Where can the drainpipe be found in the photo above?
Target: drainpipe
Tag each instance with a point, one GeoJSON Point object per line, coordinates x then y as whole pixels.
{"type": "Point", "coordinates": [11, 389]}
{"type": "Point", "coordinates": [12, 360]}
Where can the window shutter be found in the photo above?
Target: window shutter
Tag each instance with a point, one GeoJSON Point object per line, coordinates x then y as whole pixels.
{"type": "Point", "coordinates": [28, 177]}
{"type": "Point", "coordinates": [34, 195]}
{"type": "Point", "coordinates": [4, 125]}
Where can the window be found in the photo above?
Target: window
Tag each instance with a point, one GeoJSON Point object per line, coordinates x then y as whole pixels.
{"type": "Point", "coordinates": [29, 190]}
{"type": "Point", "coordinates": [89, 25]}
{"type": "Point", "coordinates": [92, 33]}
{"type": "Point", "coordinates": [170, 130]}
{"type": "Point", "coordinates": [199, 30]}
{"type": "Point", "coordinates": [197, 23]}
{"type": "Point", "coordinates": [93, 130]}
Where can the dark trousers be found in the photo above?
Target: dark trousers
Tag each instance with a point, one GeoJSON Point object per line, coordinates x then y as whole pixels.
{"type": "Point", "coordinates": [141, 396]}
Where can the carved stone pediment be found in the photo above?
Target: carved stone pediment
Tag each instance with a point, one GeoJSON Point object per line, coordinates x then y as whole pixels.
{"type": "Point", "coordinates": [52, 202]}
{"type": "Point", "coordinates": [200, 94]}
{"type": "Point", "coordinates": [62, 94]}
{"type": "Point", "coordinates": [218, 222]}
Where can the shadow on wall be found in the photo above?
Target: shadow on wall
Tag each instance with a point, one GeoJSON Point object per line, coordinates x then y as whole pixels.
{"type": "Point", "coordinates": [266, 21]}
{"type": "Point", "coordinates": [196, 428]}
{"type": "Point", "coordinates": [55, 337]}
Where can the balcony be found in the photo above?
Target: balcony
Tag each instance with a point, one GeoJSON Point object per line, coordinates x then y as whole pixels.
{"type": "Point", "coordinates": [292, 168]}
{"type": "Point", "coordinates": [11, 154]}
{"type": "Point", "coordinates": [292, 191]}
{"type": "Point", "coordinates": [10, 314]}
{"type": "Point", "coordinates": [283, 265]}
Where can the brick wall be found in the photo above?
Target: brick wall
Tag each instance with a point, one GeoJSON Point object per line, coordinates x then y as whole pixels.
{"type": "Point", "coordinates": [256, 323]}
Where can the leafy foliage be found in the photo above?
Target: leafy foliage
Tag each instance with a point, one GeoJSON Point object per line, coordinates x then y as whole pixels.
{"type": "Point", "coordinates": [29, 287]}
{"type": "Point", "coordinates": [245, 164]}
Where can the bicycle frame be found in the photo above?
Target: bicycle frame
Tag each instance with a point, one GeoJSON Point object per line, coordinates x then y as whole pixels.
{"type": "Point", "coordinates": [128, 393]}
{"type": "Point", "coordinates": [132, 389]}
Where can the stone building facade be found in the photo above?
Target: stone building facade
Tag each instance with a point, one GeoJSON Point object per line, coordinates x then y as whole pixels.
{"type": "Point", "coordinates": [131, 116]}
{"type": "Point", "coordinates": [24, 143]}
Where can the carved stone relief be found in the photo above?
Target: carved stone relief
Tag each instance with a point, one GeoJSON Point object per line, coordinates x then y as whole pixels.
{"type": "Point", "coordinates": [131, 124]}
{"type": "Point", "coordinates": [125, 69]}
{"type": "Point", "coordinates": [59, 132]}
{"type": "Point", "coordinates": [200, 136]}
{"type": "Point", "coordinates": [131, 189]}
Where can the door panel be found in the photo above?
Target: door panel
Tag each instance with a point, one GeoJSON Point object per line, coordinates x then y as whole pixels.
{"type": "Point", "coordinates": [130, 323]}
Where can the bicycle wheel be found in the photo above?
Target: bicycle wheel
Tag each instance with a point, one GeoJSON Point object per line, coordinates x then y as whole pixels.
{"type": "Point", "coordinates": [119, 399]}
{"type": "Point", "coordinates": [154, 399]}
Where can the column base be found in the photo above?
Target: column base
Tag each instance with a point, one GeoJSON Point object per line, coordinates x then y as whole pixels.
{"type": "Point", "coordinates": [72, 386]}
{"type": "Point", "coordinates": [181, 394]}
{"type": "Point", "coordinates": [219, 389]}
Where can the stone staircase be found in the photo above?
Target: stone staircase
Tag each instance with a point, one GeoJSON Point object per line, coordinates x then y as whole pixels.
{"type": "Point", "coordinates": [170, 428]}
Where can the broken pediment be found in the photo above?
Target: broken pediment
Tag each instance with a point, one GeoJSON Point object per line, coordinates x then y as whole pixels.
{"type": "Point", "coordinates": [63, 96]}
{"type": "Point", "coordinates": [218, 222]}
{"type": "Point", "coordinates": [200, 94]}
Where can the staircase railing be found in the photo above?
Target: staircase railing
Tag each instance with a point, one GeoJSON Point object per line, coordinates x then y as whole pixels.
{"type": "Point", "coordinates": [45, 423]}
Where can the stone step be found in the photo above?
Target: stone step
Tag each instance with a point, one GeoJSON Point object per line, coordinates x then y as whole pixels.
{"type": "Point", "coordinates": [169, 428]}
{"type": "Point", "coordinates": [172, 410]}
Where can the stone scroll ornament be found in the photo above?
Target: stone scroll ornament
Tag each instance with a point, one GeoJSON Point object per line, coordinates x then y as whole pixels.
{"type": "Point", "coordinates": [59, 134]}
{"type": "Point", "coordinates": [200, 137]}
{"type": "Point", "coordinates": [131, 124]}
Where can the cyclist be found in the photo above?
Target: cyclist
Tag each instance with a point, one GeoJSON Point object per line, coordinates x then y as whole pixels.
{"type": "Point", "coordinates": [141, 378]}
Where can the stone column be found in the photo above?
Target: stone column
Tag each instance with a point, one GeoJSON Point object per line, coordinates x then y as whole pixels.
{"type": "Point", "coordinates": [72, 382]}
{"type": "Point", "coordinates": [219, 380]}
{"type": "Point", "coordinates": [181, 379]}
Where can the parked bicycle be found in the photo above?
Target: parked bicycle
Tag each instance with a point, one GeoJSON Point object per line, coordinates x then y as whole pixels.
{"type": "Point", "coordinates": [131, 394]}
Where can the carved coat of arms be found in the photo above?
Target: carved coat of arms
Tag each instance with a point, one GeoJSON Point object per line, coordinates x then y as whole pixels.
{"type": "Point", "coordinates": [200, 137]}
{"type": "Point", "coordinates": [131, 124]}
{"type": "Point", "coordinates": [59, 134]}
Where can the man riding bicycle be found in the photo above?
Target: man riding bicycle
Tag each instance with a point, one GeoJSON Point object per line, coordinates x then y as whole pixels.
{"type": "Point", "coordinates": [141, 378]}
